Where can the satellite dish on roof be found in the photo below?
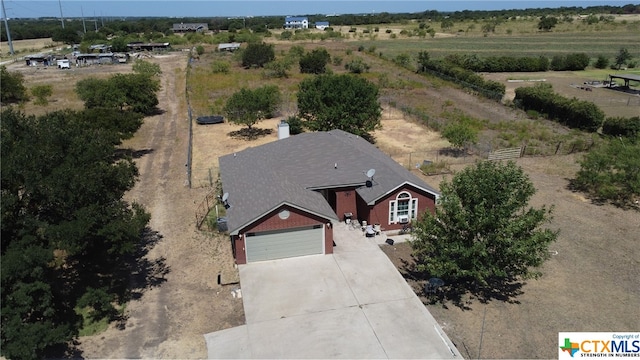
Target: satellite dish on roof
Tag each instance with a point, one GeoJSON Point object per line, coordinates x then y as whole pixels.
{"type": "Point", "coordinates": [225, 196]}
{"type": "Point", "coordinates": [371, 172]}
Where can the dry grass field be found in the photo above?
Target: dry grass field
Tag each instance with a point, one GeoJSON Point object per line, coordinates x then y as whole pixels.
{"type": "Point", "coordinates": [591, 285]}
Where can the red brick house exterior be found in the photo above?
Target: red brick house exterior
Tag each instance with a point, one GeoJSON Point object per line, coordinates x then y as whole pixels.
{"type": "Point", "coordinates": [284, 197]}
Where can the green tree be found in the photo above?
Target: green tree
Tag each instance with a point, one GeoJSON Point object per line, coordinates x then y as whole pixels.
{"type": "Point", "coordinates": [248, 107]}
{"type": "Point", "coordinates": [602, 62]}
{"type": "Point", "coordinates": [200, 49]}
{"type": "Point", "coordinates": [67, 35]}
{"type": "Point", "coordinates": [135, 92]}
{"type": "Point", "coordinates": [483, 234]}
{"type": "Point", "coordinates": [42, 94]}
{"type": "Point", "coordinates": [146, 68]}
{"type": "Point", "coordinates": [12, 89]}
{"type": "Point", "coordinates": [345, 102]}
{"type": "Point", "coordinates": [257, 55]}
{"type": "Point", "coordinates": [547, 23]}
{"type": "Point", "coordinates": [622, 57]}
{"type": "Point", "coordinates": [315, 61]}
{"type": "Point", "coordinates": [65, 227]}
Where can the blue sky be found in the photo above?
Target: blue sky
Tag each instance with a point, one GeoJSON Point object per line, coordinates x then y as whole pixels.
{"type": "Point", "coordinates": [213, 8]}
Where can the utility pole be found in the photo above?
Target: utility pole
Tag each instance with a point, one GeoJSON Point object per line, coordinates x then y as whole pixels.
{"type": "Point", "coordinates": [6, 24]}
{"type": "Point", "coordinates": [84, 26]}
{"type": "Point", "coordinates": [61, 17]}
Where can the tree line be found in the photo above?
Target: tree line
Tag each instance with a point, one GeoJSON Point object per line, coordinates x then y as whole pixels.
{"type": "Point", "coordinates": [29, 28]}
{"type": "Point", "coordinates": [71, 245]}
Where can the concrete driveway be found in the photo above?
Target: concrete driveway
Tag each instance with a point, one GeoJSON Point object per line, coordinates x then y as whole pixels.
{"type": "Point", "coordinates": [352, 304]}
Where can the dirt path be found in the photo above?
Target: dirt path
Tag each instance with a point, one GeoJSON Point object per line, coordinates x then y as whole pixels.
{"type": "Point", "coordinates": [168, 321]}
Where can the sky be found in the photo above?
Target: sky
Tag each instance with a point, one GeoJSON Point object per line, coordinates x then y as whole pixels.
{"type": "Point", "coordinates": [215, 8]}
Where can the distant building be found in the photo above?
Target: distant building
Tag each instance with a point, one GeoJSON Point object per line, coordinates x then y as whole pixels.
{"type": "Point", "coordinates": [138, 46]}
{"type": "Point", "coordinates": [101, 48]}
{"type": "Point", "coordinates": [321, 25]}
{"type": "Point", "coordinates": [296, 22]}
{"type": "Point", "coordinates": [190, 27]}
{"type": "Point", "coordinates": [228, 47]}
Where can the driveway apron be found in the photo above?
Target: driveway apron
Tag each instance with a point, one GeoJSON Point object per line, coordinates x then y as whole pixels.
{"type": "Point", "coordinates": [352, 304]}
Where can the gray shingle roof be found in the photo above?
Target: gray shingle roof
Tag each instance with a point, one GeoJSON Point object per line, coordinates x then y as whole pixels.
{"type": "Point", "coordinates": [263, 178]}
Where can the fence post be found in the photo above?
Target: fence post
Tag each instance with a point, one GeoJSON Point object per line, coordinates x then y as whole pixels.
{"type": "Point", "coordinates": [558, 147]}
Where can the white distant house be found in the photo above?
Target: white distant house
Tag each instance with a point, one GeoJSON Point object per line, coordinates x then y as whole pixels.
{"type": "Point", "coordinates": [321, 25]}
{"type": "Point", "coordinates": [296, 22]}
{"type": "Point", "coordinates": [228, 46]}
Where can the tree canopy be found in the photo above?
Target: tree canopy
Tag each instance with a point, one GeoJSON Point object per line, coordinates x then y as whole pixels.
{"type": "Point", "coordinates": [248, 107]}
{"type": "Point", "coordinates": [345, 102]}
{"type": "Point", "coordinates": [68, 237]}
{"type": "Point", "coordinates": [136, 92]}
{"type": "Point", "coordinates": [315, 61]}
{"type": "Point", "coordinates": [12, 89]}
{"type": "Point", "coordinates": [483, 233]}
{"type": "Point", "coordinates": [547, 23]}
{"type": "Point", "coordinates": [257, 55]}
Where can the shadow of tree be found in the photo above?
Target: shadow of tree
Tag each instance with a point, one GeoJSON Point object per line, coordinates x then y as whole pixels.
{"type": "Point", "coordinates": [136, 154]}
{"type": "Point", "coordinates": [462, 292]}
{"type": "Point", "coordinates": [452, 152]}
{"type": "Point", "coordinates": [140, 273]}
{"type": "Point", "coordinates": [250, 133]}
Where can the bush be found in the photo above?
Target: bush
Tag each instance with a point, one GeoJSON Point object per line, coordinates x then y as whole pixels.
{"type": "Point", "coordinates": [42, 93]}
{"type": "Point", "coordinates": [220, 67]}
{"type": "Point", "coordinates": [357, 66]}
{"type": "Point", "coordinates": [295, 125]}
{"type": "Point", "coordinates": [610, 172]}
{"type": "Point", "coordinates": [570, 62]}
{"type": "Point", "coordinates": [257, 54]}
{"type": "Point", "coordinates": [388, 31]}
{"type": "Point", "coordinates": [620, 126]}
{"type": "Point", "coordinates": [602, 62]}
{"type": "Point", "coordinates": [315, 62]}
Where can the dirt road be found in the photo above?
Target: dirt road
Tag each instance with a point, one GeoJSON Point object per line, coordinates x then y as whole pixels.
{"type": "Point", "coordinates": [168, 321]}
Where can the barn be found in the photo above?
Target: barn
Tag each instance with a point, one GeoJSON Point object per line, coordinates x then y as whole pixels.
{"type": "Point", "coordinates": [284, 198]}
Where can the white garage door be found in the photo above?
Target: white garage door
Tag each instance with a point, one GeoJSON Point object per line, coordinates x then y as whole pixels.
{"type": "Point", "coordinates": [281, 244]}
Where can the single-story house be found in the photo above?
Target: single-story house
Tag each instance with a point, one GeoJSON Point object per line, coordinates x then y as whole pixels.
{"type": "Point", "coordinates": [321, 25]}
{"type": "Point", "coordinates": [296, 22]}
{"type": "Point", "coordinates": [283, 198]}
{"type": "Point", "coordinates": [190, 27]}
{"type": "Point", "coordinates": [228, 46]}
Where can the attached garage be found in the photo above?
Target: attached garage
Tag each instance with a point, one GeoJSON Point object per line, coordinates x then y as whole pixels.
{"type": "Point", "coordinates": [279, 244]}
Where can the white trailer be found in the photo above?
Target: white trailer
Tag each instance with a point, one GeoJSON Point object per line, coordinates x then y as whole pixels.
{"type": "Point", "coordinates": [63, 64]}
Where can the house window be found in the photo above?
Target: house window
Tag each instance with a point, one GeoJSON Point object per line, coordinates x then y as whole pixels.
{"type": "Point", "coordinates": [403, 208]}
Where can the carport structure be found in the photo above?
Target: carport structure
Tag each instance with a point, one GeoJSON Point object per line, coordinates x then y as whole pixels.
{"type": "Point", "coordinates": [625, 77]}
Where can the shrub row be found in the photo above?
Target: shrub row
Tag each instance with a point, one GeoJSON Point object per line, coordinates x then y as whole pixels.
{"type": "Point", "coordinates": [467, 78]}
{"type": "Point", "coordinates": [574, 113]}
{"type": "Point", "coordinates": [500, 63]}
{"type": "Point", "coordinates": [570, 62]}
